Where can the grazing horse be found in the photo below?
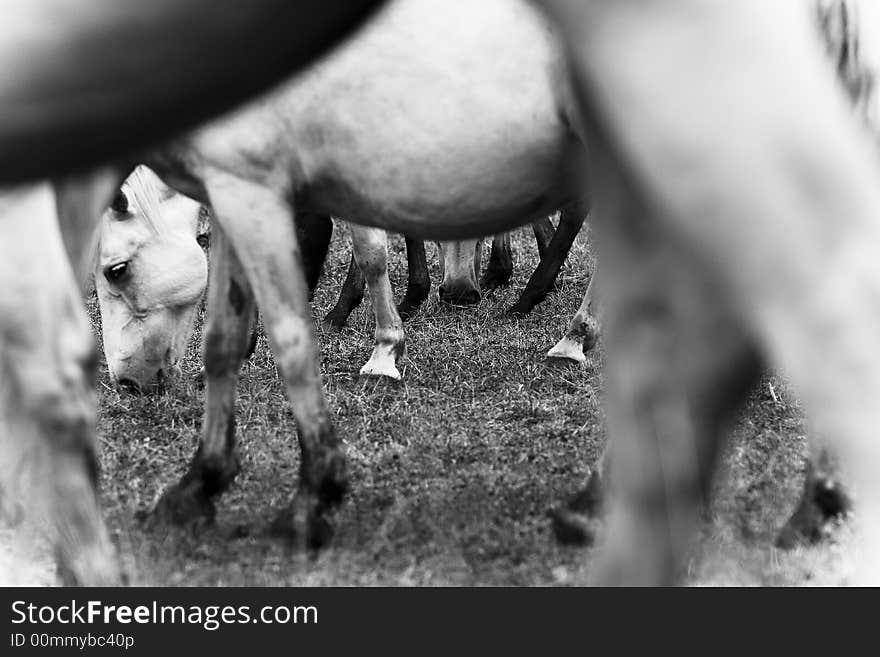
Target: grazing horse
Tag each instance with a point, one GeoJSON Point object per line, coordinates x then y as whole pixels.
{"type": "Point", "coordinates": [150, 275]}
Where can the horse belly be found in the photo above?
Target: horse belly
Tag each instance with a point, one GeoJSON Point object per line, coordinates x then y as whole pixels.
{"type": "Point", "coordinates": [457, 128]}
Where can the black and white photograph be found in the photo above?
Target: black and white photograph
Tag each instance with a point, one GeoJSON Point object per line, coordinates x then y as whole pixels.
{"type": "Point", "coordinates": [438, 293]}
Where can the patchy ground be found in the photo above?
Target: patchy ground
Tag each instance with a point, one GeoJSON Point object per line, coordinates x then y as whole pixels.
{"type": "Point", "coordinates": [453, 470]}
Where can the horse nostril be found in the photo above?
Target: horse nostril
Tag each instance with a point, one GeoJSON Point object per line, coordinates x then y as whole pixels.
{"type": "Point", "coordinates": [129, 385]}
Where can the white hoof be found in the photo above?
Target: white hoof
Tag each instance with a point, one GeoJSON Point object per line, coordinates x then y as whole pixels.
{"type": "Point", "coordinates": [568, 348]}
{"type": "Point", "coordinates": [382, 363]}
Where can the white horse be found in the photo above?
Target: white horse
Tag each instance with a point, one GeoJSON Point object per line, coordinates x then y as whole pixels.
{"type": "Point", "coordinates": [150, 275]}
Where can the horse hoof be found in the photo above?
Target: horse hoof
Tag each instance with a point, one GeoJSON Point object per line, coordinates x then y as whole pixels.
{"type": "Point", "coordinates": [184, 504]}
{"type": "Point", "coordinates": [568, 349]}
{"type": "Point", "coordinates": [572, 528]}
{"type": "Point", "coordinates": [334, 324]}
{"type": "Point", "coordinates": [408, 310]}
{"type": "Point", "coordinates": [383, 361]}
{"type": "Point", "coordinates": [493, 280]}
{"type": "Point", "coordinates": [381, 369]}
{"type": "Point", "coordinates": [579, 520]}
{"type": "Point", "coordinates": [824, 501]}
{"type": "Point", "coordinates": [521, 308]}
{"type": "Point", "coordinates": [303, 526]}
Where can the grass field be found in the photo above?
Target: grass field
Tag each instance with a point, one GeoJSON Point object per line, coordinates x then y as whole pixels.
{"type": "Point", "coordinates": [453, 469]}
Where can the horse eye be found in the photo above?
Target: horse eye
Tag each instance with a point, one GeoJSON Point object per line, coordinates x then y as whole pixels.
{"type": "Point", "coordinates": [120, 203]}
{"type": "Point", "coordinates": [204, 240]}
{"type": "Point", "coordinates": [116, 273]}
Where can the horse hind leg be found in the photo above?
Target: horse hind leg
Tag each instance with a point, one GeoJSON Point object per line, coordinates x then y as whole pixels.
{"type": "Point", "coordinates": [544, 231]}
{"type": "Point", "coordinates": [582, 333]}
{"type": "Point", "coordinates": [680, 365]}
{"type": "Point", "coordinates": [228, 332]}
{"type": "Point", "coordinates": [500, 266]}
{"type": "Point", "coordinates": [370, 247]}
{"type": "Point", "coordinates": [418, 285]}
{"type": "Point", "coordinates": [350, 297]}
{"type": "Point", "coordinates": [542, 279]}
{"type": "Point", "coordinates": [271, 259]}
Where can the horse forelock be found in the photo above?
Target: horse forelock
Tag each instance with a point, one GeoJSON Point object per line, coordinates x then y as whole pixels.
{"type": "Point", "coordinates": [145, 193]}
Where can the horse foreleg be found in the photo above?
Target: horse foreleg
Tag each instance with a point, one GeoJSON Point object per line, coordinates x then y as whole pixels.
{"type": "Point", "coordinates": [500, 266]}
{"type": "Point", "coordinates": [418, 285]}
{"type": "Point", "coordinates": [571, 219]}
{"type": "Point", "coordinates": [370, 246]}
{"type": "Point", "coordinates": [818, 203]}
{"type": "Point", "coordinates": [582, 333]}
{"type": "Point", "coordinates": [257, 221]}
{"type": "Point", "coordinates": [350, 297]}
{"type": "Point", "coordinates": [679, 365]}
{"type": "Point", "coordinates": [48, 368]}
{"type": "Point", "coordinates": [228, 331]}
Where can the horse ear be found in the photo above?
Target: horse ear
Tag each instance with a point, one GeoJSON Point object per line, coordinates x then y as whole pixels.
{"type": "Point", "coordinates": [203, 231]}
{"type": "Point", "coordinates": [119, 205]}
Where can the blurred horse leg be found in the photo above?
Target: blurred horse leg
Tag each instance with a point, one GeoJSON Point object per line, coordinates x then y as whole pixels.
{"type": "Point", "coordinates": [679, 365]}
{"type": "Point", "coordinates": [49, 360]}
{"type": "Point", "coordinates": [758, 189]}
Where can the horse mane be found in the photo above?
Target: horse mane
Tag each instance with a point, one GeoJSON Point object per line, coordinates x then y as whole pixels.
{"type": "Point", "coordinates": [145, 192]}
{"type": "Point", "coordinates": [841, 26]}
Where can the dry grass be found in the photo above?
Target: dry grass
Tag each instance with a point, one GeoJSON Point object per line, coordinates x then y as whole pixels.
{"type": "Point", "coordinates": [453, 469]}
